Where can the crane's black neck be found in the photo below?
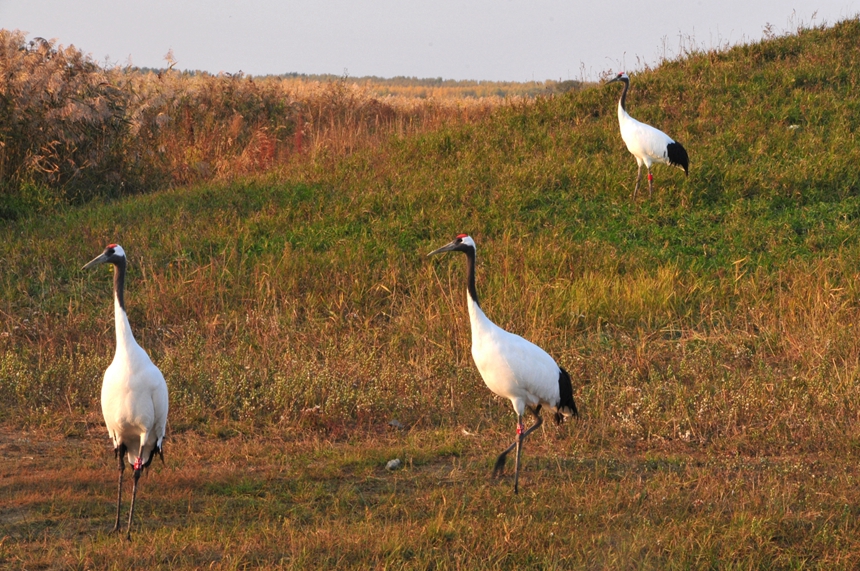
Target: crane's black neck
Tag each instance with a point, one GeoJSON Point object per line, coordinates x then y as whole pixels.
{"type": "Point", "coordinates": [473, 292]}
{"type": "Point", "coordinates": [119, 281]}
{"type": "Point", "coordinates": [623, 100]}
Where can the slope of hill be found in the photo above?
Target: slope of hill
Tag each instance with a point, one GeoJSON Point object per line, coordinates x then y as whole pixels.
{"type": "Point", "coordinates": [310, 287]}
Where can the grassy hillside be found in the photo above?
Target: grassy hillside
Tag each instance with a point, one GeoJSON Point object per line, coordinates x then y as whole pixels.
{"type": "Point", "coordinates": [712, 323]}
{"type": "Point", "coordinates": [319, 272]}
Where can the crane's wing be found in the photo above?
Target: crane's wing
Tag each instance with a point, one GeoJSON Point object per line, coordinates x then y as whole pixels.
{"type": "Point", "coordinates": [645, 141]}
{"type": "Point", "coordinates": [160, 405]}
{"type": "Point", "coordinates": [513, 367]}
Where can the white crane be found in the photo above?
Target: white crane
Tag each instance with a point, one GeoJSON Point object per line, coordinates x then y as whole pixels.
{"type": "Point", "coordinates": [647, 144]}
{"type": "Point", "coordinates": [512, 367]}
{"type": "Point", "coordinates": [134, 394]}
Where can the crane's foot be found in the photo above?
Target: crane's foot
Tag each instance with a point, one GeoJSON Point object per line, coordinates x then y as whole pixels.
{"type": "Point", "coordinates": [500, 461]}
{"type": "Point", "coordinates": [499, 468]}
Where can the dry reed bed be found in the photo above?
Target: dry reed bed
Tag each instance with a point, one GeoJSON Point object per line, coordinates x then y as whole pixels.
{"type": "Point", "coordinates": [71, 129]}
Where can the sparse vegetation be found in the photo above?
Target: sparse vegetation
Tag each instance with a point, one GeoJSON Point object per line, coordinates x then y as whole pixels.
{"type": "Point", "coordinates": [710, 333]}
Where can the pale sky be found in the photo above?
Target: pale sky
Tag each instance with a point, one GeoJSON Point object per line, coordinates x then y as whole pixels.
{"type": "Point", "coordinates": [499, 40]}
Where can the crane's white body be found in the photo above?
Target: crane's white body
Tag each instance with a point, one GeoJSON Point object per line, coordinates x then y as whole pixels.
{"type": "Point", "coordinates": [512, 367]}
{"type": "Point", "coordinates": [646, 143]}
{"type": "Point", "coordinates": [134, 396]}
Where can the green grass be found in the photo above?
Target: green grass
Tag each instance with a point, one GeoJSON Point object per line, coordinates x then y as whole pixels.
{"type": "Point", "coordinates": [709, 332]}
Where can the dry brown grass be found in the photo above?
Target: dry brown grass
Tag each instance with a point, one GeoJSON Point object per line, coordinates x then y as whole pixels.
{"type": "Point", "coordinates": [61, 118]}
{"type": "Point", "coordinates": [207, 126]}
{"type": "Point", "coordinates": [300, 499]}
{"type": "Point", "coordinates": [71, 129]}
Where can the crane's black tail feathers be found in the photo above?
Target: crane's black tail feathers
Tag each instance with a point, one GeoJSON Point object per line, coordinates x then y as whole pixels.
{"type": "Point", "coordinates": [678, 156]}
{"type": "Point", "coordinates": [566, 406]}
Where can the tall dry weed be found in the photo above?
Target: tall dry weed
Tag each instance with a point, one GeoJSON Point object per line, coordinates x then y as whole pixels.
{"type": "Point", "coordinates": [62, 121]}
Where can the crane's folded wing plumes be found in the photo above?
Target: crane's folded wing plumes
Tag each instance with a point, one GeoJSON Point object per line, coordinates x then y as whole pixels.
{"type": "Point", "coordinates": [678, 156]}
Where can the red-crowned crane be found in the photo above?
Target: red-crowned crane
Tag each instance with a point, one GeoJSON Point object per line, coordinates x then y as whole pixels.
{"type": "Point", "coordinates": [512, 367]}
{"type": "Point", "coordinates": [134, 394]}
{"type": "Point", "coordinates": [647, 144]}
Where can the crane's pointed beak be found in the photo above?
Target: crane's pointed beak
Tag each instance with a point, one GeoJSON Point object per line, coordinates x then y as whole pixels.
{"type": "Point", "coordinates": [443, 249]}
{"type": "Point", "coordinates": [97, 261]}
{"type": "Point", "coordinates": [613, 80]}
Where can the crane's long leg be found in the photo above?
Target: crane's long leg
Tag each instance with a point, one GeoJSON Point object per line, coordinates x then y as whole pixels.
{"type": "Point", "coordinates": [638, 176]}
{"type": "Point", "coordinates": [138, 467]}
{"type": "Point", "coordinates": [650, 178]}
{"type": "Point", "coordinates": [520, 440]}
{"type": "Point", "coordinates": [120, 454]}
{"type": "Point", "coordinates": [518, 444]}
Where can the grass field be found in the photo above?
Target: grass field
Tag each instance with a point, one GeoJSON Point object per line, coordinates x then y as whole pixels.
{"type": "Point", "coordinates": [709, 332]}
{"type": "Point", "coordinates": [281, 499]}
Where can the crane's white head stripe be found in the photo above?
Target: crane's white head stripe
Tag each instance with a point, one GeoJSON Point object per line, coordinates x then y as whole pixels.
{"type": "Point", "coordinates": [465, 239]}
